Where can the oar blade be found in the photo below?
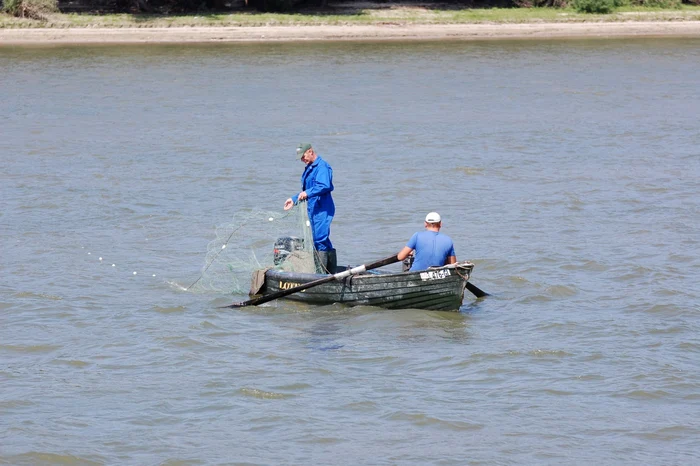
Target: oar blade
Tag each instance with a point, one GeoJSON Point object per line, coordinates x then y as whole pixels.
{"type": "Point", "coordinates": [476, 291]}
{"type": "Point", "coordinates": [235, 305]}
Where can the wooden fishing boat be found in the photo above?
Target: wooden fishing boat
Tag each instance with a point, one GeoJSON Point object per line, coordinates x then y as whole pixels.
{"type": "Point", "coordinates": [438, 288]}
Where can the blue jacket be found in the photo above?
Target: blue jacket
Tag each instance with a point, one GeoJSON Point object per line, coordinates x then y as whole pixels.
{"type": "Point", "coordinates": [317, 181]}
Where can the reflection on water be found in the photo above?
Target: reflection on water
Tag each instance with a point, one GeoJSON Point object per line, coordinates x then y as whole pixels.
{"type": "Point", "coordinates": [567, 171]}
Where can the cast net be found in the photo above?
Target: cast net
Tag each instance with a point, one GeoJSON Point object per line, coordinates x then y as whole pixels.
{"type": "Point", "coordinates": [255, 240]}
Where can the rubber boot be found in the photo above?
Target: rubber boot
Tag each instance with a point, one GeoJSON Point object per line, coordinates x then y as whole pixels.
{"type": "Point", "coordinates": [321, 261]}
{"type": "Point", "coordinates": [332, 261]}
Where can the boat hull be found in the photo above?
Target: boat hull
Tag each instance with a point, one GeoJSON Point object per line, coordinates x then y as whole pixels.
{"type": "Point", "coordinates": [439, 288]}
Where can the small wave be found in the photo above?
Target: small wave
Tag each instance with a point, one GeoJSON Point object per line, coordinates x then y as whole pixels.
{"type": "Point", "coordinates": [535, 299]}
{"type": "Point", "coordinates": [634, 273]}
{"type": "Point", "coordinates": [494, 356]}
{"type": "Point", "coordinates": [36, 458]}
{"type": "Point", "coordinates": [561, 291]}
{"type": "Point", "coordinates": [596, 356]}
{"type": "Point", "coordinates": [297, 386]}
{"type": "Point", "coordinates": [586, 266]}
{"type": "Point", "coordinates": [29, 294]}
{"type": "Point", "coordinates": [559, 326]}
{"type": "Point", "coordinates": [40, 206]}
{"type": "Point", "coordinates": [590, 377]}
{"type": "Point", "coordinates": [181, 342]}
{"type": "Point", "coordinates": [669, 433]}
{"type": "Point", "coordinates": [537, 353]}
{"type": "Point", "coordinates": [514, 279]}
{"type": "Point", "coordinates": [645, 188]}
{"type": "Point", "coordinates": [309, 438]}
{"type": "Point", "coordinates": [666, 330]}
{"type": "Point", "coordinates": [262, 394]}
{"type": "Point", "coordinates": [470, 170]}
{"type": "Point", "coordinates": [689, 346]}
{"type": "Point", "coordinates": [424, 420]}
{"type": "Point", "coordinates": [71, 362]}
{"type": "Point", "coordinates": [29, 348]}
{"type": "Point", "coordinates": [222, 178]}
{"type": "Point", "coordinates": [179, 462]}
{"type": "Point", "coordinates": [9, 404]}
{"type": "Point", "coordinates": [551, 391]}
{"type": "Point", "coordinates": [169, 310]}
{"type": "Point", "coordinates": [361, 406]}
{"type": "Point", "coordinates": [681, 258]}
{"type": "Point", "coordinates": [669, 309]}
{"type": "Point", "coordinates": [546, 353]}
{"type": "Point", "coordinates": [209, 325]}
{"type": "Point", "coordinates": [329, 347]}
{"type": "Point", "coordinates": [645, 394]}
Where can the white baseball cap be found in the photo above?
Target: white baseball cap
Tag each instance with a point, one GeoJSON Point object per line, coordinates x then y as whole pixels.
{"type": "Point", "coordinates": [432, 217]}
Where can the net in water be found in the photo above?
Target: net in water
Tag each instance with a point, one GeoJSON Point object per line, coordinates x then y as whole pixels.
{"type": "Point", "coordinates": [254, 240]}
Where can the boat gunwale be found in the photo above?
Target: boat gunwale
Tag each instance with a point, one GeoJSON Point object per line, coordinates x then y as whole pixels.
{"type": "Point", "coordinates": [299, 276]}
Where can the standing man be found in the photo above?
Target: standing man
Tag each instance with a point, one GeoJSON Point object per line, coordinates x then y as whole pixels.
{"type": "Point", "coordinates": [316, 187]}
{"type": "Point", "coordinates": [432, 248]}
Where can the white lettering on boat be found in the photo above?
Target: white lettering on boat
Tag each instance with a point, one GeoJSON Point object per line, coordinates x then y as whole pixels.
{"type": "Point", "coordinates": [287, 285]}
{"type": "Point", "coordinates": [435, 274]}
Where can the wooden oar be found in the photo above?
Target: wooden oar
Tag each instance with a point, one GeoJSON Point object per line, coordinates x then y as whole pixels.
{"type": "Point", "coordinates": [476, 291]}
{"type": "Point", "coordinates": [320, 281]}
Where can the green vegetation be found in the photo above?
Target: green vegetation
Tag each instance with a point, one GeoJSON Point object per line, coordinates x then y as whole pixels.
{"type": "Point", "coordinates": [32, 9]}
{"type": "Point", "coordinates": [576, 12]}
{"type": "Point", "coordinates": [663, 4]}
{"type": "Point", "coordinates": [594, 6]}
{"type": "Point", "coordinates": [608, 6]}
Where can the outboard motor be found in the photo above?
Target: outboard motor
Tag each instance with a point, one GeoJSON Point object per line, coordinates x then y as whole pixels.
{"type": "Point", "coordinates": [284, 246]}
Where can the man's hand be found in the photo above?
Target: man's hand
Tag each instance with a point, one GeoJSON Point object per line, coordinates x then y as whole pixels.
{"type": "Point", "coordinates": [302, 196]}
{"type": "Point", "coordinates": [288, 204]}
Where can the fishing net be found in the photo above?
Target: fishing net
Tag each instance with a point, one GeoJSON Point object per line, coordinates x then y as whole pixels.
{"type": "Point", "coordinates": [255, 240]}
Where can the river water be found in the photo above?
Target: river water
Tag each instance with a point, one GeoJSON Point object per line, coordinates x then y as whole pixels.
{"type": "Point", "coordinates": [567, 171]}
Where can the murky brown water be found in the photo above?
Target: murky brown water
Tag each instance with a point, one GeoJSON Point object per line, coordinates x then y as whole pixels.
{"type": "Point", "coordinates": [567, 171]}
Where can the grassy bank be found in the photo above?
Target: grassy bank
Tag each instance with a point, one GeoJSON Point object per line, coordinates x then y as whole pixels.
{"type": "Point", "coordinates": [399, 15]}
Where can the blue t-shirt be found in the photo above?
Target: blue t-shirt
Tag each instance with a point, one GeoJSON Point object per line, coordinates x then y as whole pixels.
{"type": "Point", "coordinates": [432, 249]}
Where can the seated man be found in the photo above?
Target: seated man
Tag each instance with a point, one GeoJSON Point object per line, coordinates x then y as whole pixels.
{"type": "Point", "coordinates": [432, 248]}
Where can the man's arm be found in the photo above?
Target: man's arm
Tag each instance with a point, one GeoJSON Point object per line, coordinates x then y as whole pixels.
{"type": "Point", "coordinates": [404, 253]}
{"type": "Point", "coordinates": [410, 246]}
{"type": "Point", "coordinates": [451, 256]}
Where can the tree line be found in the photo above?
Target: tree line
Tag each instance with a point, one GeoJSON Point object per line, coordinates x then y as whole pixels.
{"type": "Point", "coordinates": [35, 8]}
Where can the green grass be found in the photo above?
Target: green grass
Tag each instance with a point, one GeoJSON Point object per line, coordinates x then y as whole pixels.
{"type": "Point", "coordinates": [366, 17]}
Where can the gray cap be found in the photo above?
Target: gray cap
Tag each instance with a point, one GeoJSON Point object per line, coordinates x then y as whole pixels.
{"type": "Point", "coordinates": [302, 148]}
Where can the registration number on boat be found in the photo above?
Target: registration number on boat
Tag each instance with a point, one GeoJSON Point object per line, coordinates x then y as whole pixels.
{"type": "Point", "coordinates": [288, 285]}
{"type": "Point", "coordinates": [434, 274]}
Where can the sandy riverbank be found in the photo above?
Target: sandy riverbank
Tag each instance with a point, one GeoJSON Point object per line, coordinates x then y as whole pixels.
{"type": "Point", "coordinates": [349, 33]}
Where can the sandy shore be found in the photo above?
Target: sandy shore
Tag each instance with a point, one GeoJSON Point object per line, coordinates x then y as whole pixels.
{"type": "Point", "coordinates": [349, 33]}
